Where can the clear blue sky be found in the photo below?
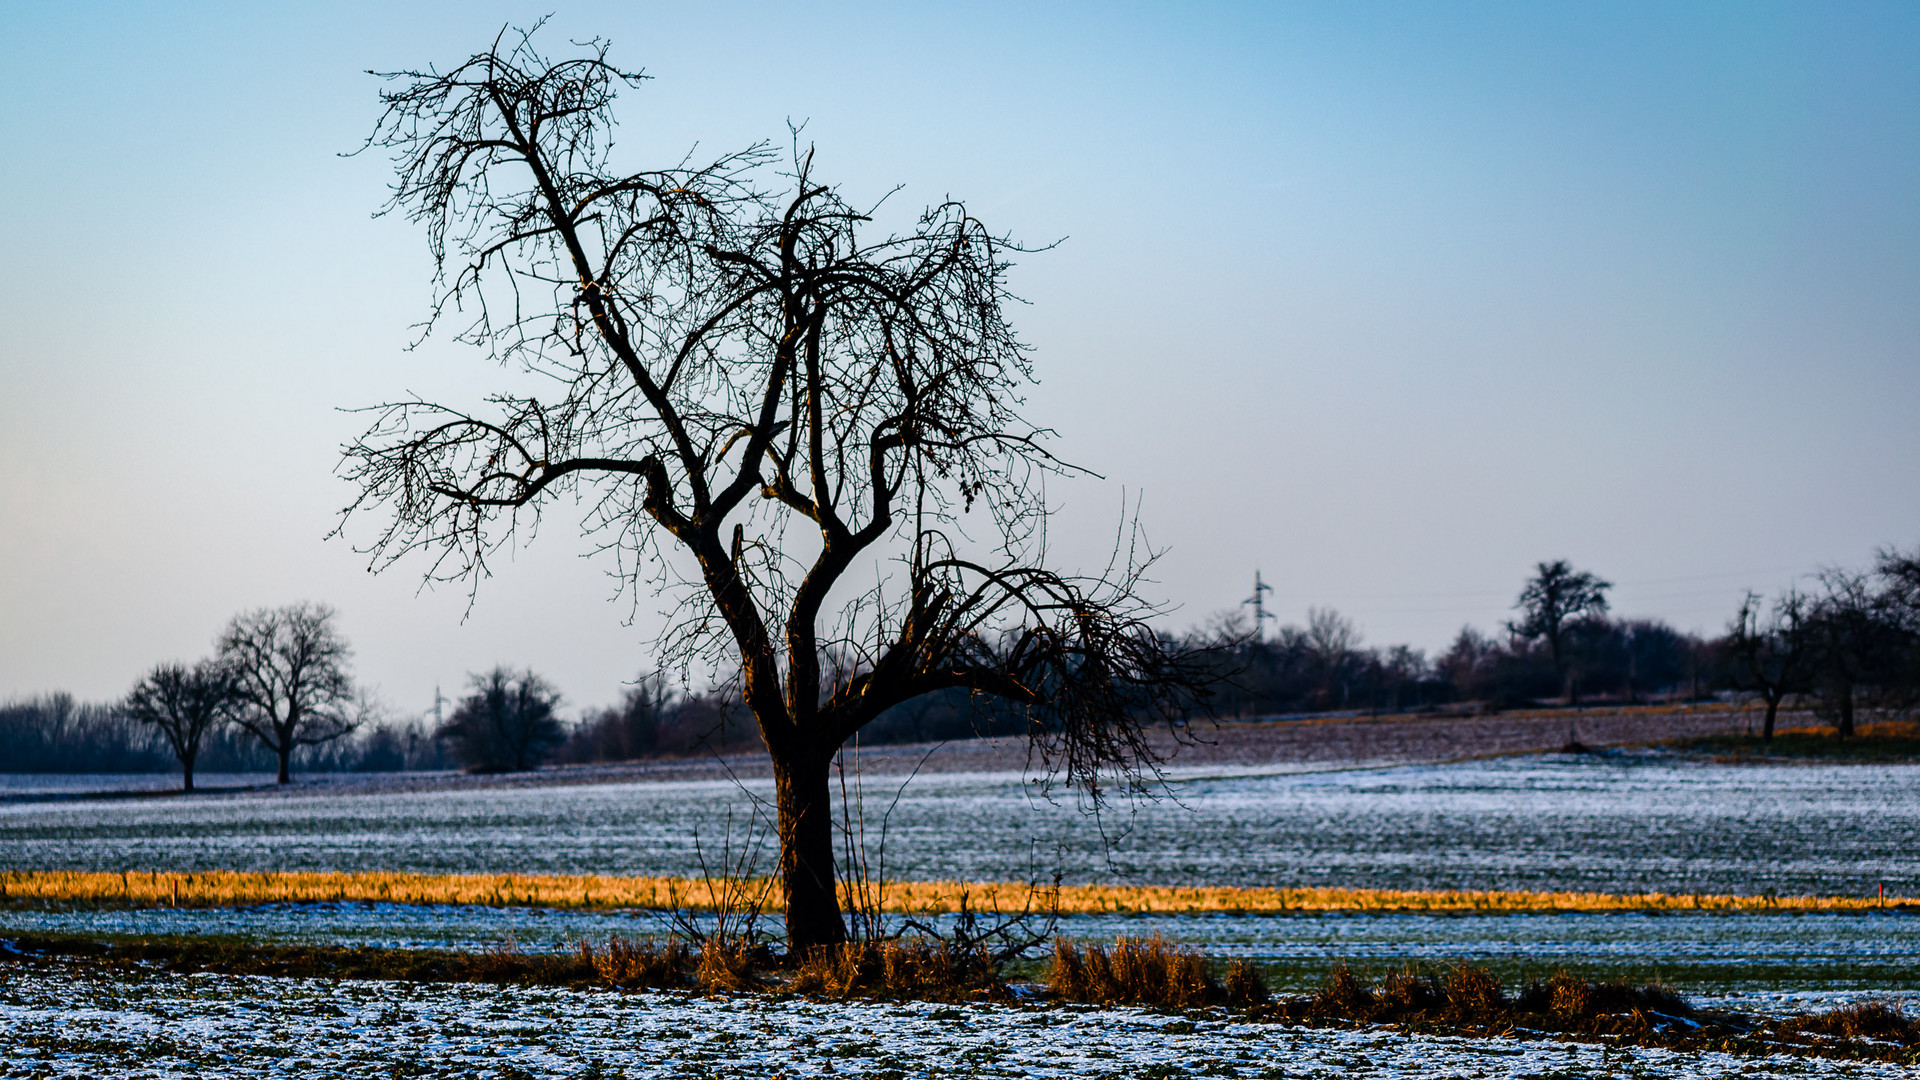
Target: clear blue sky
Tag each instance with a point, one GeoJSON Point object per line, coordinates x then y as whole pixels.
{"type": "Point", "coordinates": [1388, 300]}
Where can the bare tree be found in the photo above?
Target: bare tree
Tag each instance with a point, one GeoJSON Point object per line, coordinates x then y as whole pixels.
{"type": "Point", "coordinates": [629, 730]}
{"type": "Point", "coordinates": [290, 682]}
{"type": "Point", "coordinates": [508, 723]}
{"type": "Point", "coordinates": [1857, 643]}
{"type": "Point", "coordinates": [1556, 597]}
{"type": "Point", "coordinates": [1332, 640]}
{"type": "Point", "coordinates": [1772, 657]}
{"type": "Point", "coordinates": [183, 704]}
{"type": "Point", "coordinates": [1898, 574]}
{"type": "Point", "coordinates": [745, 371]}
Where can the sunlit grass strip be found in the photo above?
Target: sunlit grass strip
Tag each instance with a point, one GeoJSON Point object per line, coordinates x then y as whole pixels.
{"type": "Point", "coordinates": [233, 888]}
{"type": "Point", "coordinates": [227, 888]}
{"type": "Point", "coordinates": [1162, 899]}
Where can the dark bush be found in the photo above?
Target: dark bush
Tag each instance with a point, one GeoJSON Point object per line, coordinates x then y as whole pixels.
{"type": "Point", "coordinates": [506, 725]}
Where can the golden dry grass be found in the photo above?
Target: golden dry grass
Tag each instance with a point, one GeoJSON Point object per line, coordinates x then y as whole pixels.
{"type": "Point", "coordinates": [226, 888]}
{"type": "Point", "coordinates": [1146, 971]}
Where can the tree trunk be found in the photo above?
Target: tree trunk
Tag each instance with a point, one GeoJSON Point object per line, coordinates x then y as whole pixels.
{"type": "Point", "coordinates": [1773, 707]}
{"type": "Point", "coordinates": [285, 751]}
{"type": "Point", "coordinates": [803, 797]}
{"type": "Point", "coordinates": [1846, 710]}
{"type": "Point", "coordinates": [186, 774]}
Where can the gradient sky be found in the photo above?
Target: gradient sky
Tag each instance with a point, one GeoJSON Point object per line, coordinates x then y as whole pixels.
{"type": "Point", "coordinates": [1390, 301]}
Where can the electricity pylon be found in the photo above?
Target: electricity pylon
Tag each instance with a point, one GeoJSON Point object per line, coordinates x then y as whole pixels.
{"type": "Point", "coordinates": [1259, 604]}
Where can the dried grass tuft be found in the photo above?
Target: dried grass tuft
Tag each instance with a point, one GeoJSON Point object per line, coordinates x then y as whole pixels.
{"type": "Point", "coordinates": [1342, 994]}
{"type": "Point", "coordinates": [1572, 998]}
{"type": "Point", "coordinates": [729, 965]}
{"type": "Point", "coordinates": [645, 962]}
{"type": "Point", "coordinates": [1866, 1020]}
{"type": "Point", "coordinates": [1244, 985]}
{"type": "Point", "coordinates": [1472, 996]}
{"type": "Point", "coordinates": [927, 970]}
{"type": "Point", "coordinates": [1473, 991]}
{"type": "Point", "coordinates": [1147, 971]}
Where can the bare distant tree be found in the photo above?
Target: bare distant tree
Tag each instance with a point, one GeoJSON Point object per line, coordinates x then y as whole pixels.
{"type": "Point", "coordinates": [1556, 597]}
{"type": "Point", "coordinates": [1898, 574]}
{"type": "Point", "coordinates": [183, 704]}
{"type": "Point", "coordinates": [625, 731]}
{"type": "Point", "coordinates": [1332, 640]}
{"type": "Point", "coordinates": [1858, 645]}
{"type": "Point", "coordinates": [508, 723]}
{"type": "Point", "coordinates": [749, 376]}
{"type": "Point", "coordinates": [289, 672]}
{"type": "Point", "coordinates": [1772, 656]}
{"type": "Point", "coordinates": [1469, 662]}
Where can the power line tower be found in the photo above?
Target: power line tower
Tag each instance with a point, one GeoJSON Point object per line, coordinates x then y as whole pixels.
{"type": "Point", "coordinates": [1258, 602]}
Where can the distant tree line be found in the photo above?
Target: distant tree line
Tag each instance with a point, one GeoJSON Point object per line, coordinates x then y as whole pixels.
{"type": "Point", "coordinates": [276, 694]}
{"type": "Point", "coordinates": [53, 733]}
{"type": "Point", "coordinates": [1849, 645]}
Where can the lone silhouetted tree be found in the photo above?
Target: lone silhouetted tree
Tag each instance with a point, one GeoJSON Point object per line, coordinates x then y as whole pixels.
{"type": "Point", "coordinates": [1553, 600]}
{"type": "Point", "coordinates": [1333, 642]}
{"type": "Point", "coordinates": [184, 704]}
{"type": "Point", "coordinates": [1898, 576]}
{"type": "Point", "coordinates": [1857, 644]}
{"type": "Point", "coordinates": [1771, 656]}
{"type": "Point", "coordinates": [288, 667]}
{"type": "Point", "coordinates": [747, 372]}
{"type": "Point", "coordinates": [508, 723]}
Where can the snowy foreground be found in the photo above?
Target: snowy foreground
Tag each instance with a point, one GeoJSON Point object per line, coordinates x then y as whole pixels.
{"type": "Point", "coordinates": [68, 1023]}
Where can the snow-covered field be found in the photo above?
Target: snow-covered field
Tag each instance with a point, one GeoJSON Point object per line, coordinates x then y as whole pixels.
{"type": "Point", "coordinates": [1621, 822]}
{"type": "Point", "coordinates": [75, 1025]}
{"type": "Point", "coordinates": [1617, 822]}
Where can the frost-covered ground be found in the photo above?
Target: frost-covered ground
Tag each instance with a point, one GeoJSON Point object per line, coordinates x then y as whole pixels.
{"type": "Point", "coordinates": [225, 1026]}
{"type": "Point", "coordinates": [67, 785]}
{"type": "Point", "coordinates": [1838, 956]}
{"type": "Point", "coordinates": [1620, 822]}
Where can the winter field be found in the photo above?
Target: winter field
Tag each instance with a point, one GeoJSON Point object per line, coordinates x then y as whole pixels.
{"type": "Point", "coordinates": [1620, 822]}
{"type": "Point", "coordinates": [1617, 822]}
